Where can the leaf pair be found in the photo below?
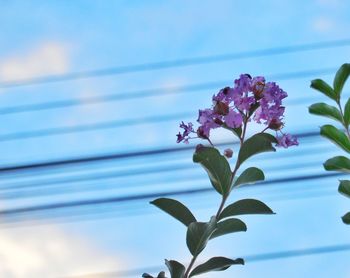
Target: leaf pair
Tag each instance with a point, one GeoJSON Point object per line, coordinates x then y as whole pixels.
{"type": "Point", "coordinates": [177, 270]}
{"type": "Point", "coordinates": [323, 109]}
{"type": "Point", "coordinates": [184, 215]}
{"type": "Point", "coordinates": [338, 83]}
{"type": "Point", "coordinates": [198, 235]}
{"type": "Point", "coordinates": [218, 168]}
{"type": "Point", "coordinates": [246, 206]}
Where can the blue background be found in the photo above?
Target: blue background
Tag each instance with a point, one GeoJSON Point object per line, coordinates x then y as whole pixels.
{"type": "Point", "coordinates": [57, 38]}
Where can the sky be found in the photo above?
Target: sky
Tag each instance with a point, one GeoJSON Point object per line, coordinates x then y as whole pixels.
{"type": "Point", "coordinates": [49, 38]}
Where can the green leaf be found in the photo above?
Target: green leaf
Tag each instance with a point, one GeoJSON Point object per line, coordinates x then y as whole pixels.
{"type": "Point", "coordinates": [336, 136]}
{"type": "Point", "coordinates": [258, 143]}
{"type": "Point", "coordinates": [215, 264]}
{"type": "Point", "coordinates": [198, 235]}
{"type": "Point", "coordinates": [323, 109]}
{"type": "Point", "coordinates": [346, 218]}
{"type": "Point", "coordinates": [217, 167]}
{"type": "Point", "coordinates": [245, 206]}
{"type": "Point", "coordinates": [323, 87]}
{"type": "Point", "coordinates": [347, 113]}
{"type": "Point", "coordinates": [176, 269]}
{"type": "Point", "coordinates": [161, 274]}
{"type": "Point", "coordinates": [236, 131]}
{"type": "Point", "coordinates": [269, 137]}
{"type": "Point", "coordinates": [340, 78]}
{"type": "Point", "coordinates": [146, 275]}
{"type": "Point", "coordinates": [229, 226]}
{"type": "Point", "coordinates": [344, 188]}
{"type": "Point", "coordinates": [338, 163]}
{"type": "Point", "coordinates": [250, 175]}
{"type": "Point", "coordinates": [175, 209]}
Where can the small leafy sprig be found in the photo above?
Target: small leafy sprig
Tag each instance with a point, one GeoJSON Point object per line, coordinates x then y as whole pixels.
{"type": "Point", "coordinates": [250, 100]}
{"type": "Point", "coordinates": [340, 137]}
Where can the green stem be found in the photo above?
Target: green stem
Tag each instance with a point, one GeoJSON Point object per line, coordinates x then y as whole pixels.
{"type": "Point", "coordinates": [224, 198]}
{"type": "Point", "coordinates": [266, 128]}
{"type": "Point", "coordinates": [190, 266]}
{"type": "Point", "coordinates": [244, 131]}
{"type": "Point", "coordinates": [221, 206]}
{"type": "Point", "coordinates": [211, 143]}
{"type": "Point", "coordinates": [343, 121]}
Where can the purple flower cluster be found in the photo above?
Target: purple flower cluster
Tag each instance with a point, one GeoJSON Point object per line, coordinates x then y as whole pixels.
{"type": "Point", "coordinates": [188, 129]}
{"type": "Point", "coordinates": [286, 140]}
{"type": "Point", "coordinates": [249, 99]}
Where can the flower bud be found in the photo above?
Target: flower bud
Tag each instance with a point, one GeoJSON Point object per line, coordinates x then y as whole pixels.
{"type": "Point", "coordinates": [258, 90]}
{"type": "Point", "coordinates": [221, 108]}
{"type": "Point", "coordinates": [228, 153]}
{"type": "Point", "coordinates": [225, 90]}
{"type": "Point", "coordinates": [275, 124]}
{"type": "Point", "coordinates": [200, 133]}
{"type": "Point", "coordinates": [218, 121]}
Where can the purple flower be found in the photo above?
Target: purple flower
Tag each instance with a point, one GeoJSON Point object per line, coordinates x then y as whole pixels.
{"type": "Point", "coordinates": [233, 119]}
{"type": "Point", "coordinates": [243, 103]}
{"type": "Point", "coordinates": [188, 129]}
{"type": "Point", "coordinates": [249, 98]}
{"type": "Point", "coordinates": [208, 120]}
{"type": "Point", "coordinates": [243, 83]}
{"type": "Point", "coordinates": [270, 109]}
{"type": "Point", "coordinates": [181, 138]}
{"type": "Point", "coordinates": [205, 116]}
{"type": "Point", "coordinates": [286, 140]}
{"type": "Point", "coordinates": [224, 95]}
{"type": "Point", "coordinates": [242, 94]}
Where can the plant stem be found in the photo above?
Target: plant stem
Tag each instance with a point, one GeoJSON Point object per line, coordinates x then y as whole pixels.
{"type": "Point", "coordinates": [342, 115]}
{"type": "Point", "coordinates": [221, 207]}
{"type": "Point", "coordinates": [190, 266]}
{"type": "Point", "coordinates": [211, 143]}
{"type": "Point", "coordinates": [266, 128]}
{"type": "Point", "coordinates": [244, 130]}
{"type": "Point", "coordinates": [224, 198]}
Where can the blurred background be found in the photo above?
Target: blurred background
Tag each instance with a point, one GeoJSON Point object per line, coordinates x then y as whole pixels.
{"type": "Point", "coordinates": [92, 93]}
